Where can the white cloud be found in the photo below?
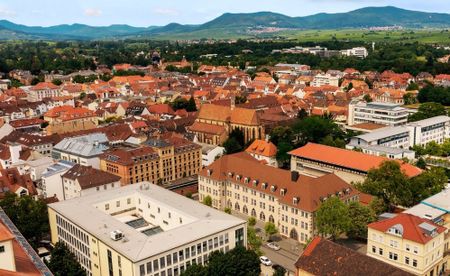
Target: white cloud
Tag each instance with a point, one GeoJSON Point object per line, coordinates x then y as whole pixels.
{"type": "Point", "coordinates": [5, 12]}
{"type": "Point", "coordinates": [92, 12]}
{"type": "Point", "coordinates": [164, 11]}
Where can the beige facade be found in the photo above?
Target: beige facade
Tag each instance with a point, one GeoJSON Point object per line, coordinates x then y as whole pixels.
{"type": "Point", "coordinates": [7, 260]}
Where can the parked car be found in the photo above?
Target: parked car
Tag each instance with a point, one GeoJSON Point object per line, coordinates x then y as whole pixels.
{"type": "Point", "coordinates": [273, 246]}
{"type": "Point", "coordinates": [265, 261]}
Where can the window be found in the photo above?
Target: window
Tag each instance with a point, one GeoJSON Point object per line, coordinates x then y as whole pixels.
{"type": "Point", "coordinates": [407, 260]}
{"type": "Point", "coordinates": [142, 270]}
{"type": "Point", "coordinates": [117, 203]}
{"type": "Point", "coordinates": [393, 256]}
{"type": "Point", "coordinates": [380, 251]}
{"type": "Point", "coordinates": [155, 265]}
{"type": "Point", "coordinates": [149, 267]}
{"type": "Point", "coordinates": [415, 263]}
{"type": "Point", "coordinates": [106, 206]}
{"type": "Point", "coordinates": [374, 249]}
{"type": "Point", "coordinates": [2, 249]}
{"type": "Point", "coordinates": [162, 262]}
{"type": "Point", "coordinates": [169, 260]}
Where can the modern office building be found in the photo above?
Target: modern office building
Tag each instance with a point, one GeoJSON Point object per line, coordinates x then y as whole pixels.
{"type": "Point", "coordinates": [377, 113]}
{"type": "Point", "coordinates": [142, 229]}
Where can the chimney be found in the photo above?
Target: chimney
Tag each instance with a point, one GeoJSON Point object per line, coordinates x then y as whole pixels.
{"type": "Point", "coordinates": [294, 176]}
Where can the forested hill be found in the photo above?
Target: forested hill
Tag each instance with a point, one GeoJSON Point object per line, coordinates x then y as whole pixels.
{"type": "Point", "coordinates": [236, 25]}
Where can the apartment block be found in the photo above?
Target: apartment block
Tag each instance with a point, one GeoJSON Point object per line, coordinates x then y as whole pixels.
{"type": "Point", "coordinates": [158, 161]}
{"type": "Point", "coordinates": [377, 113]}
{"type": "Point", "coordinates": [141, 230]}
{"type": "Point", "coordinates": [411, 243]}
{"type": "Point", "coordinates": [287, 199]}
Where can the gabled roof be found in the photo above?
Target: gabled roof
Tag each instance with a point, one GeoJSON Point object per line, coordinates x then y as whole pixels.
{"type": "Point", "coordinates": [323, 257]}
{"type": "Point", "coordinates": [348, 158]}
{"type": "Point", "coordinates": [411, 225]}
{"type": "Point", "coordinates": [262, 147]}
{"type": "Point", "coordinates": [308, 190]}
{"type": "Point", "coordinates": [89, 177]}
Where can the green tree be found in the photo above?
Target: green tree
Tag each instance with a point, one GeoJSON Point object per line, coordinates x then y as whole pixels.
{"type": "Point", "coordinates": [409, 98]}
{"type": "Point", "coordinates": [367, 98]}
{"type": "Point", "coordinates": [427, 110]}
{"type": "Point", "coordinates": [279, 271]}
{"type": "Point", "coordinates": [63, 262]}
{"type": "Point", "coordinates": [195, 270]}
{"type": "Point", "coordinates": [191, 106]}
{"type": "Point", "coordinates": [57, 82]}
{"type": "Point", "coordinates": [82, 95]}
{"type": "Point", "coordinates": [332, 218]}
{"type": "Point", "coordinates": [388, 183]}
{"type": "Point", "coordinates": [207, 200]}
{"type": "Point", "coordinates": [427, 184]}
{"type": "Point", "coordinates": [238, 262]}
{"type": "Point", "coordinates": [282, 156]}
{"type": "Point", "coordinates": [421, 163]}
{"type": "Point", "coordinates": [360, 217]}
{"type": "Point", "coordinates": [281, 134]}
{"type": "Point", "coordinates": [302, 114]}
{"type": "Point", "coordinates": [235, 142]}
{"type": "Point", "coordinates": [412, 87]}
{"type": "Point", "coordinates": [253, 240]}
{"type": "Point", "coordinates": [29, 215]}
{"type": "Point", "coordinates": [251, 221]}
{"type": "Point", "coordinates": [378, 206]}
{"type": "Point", "coordinates": [227, 210]}
{"type": "Point", "coordinates": [270, 229]}
{"type": "Point", "coordinates": [315, 129]}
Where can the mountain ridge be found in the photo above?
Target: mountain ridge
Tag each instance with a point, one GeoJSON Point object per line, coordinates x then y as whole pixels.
{"type": "Point", "coordinates": [237, 23]}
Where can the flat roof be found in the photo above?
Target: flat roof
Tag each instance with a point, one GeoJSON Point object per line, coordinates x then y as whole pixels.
{"type": "Point", "coordinates": [382, 133]}
{"type": "Point", "coordinates": [201, 220]}
{"type": "Point", "coordinates": [425, 211]}
{"type": "Point", "coordinates": [431, 121]}
{"type": "Point", "coordinates": [439, 201]}
{"type": "Point", "coordinates": [382, 149]}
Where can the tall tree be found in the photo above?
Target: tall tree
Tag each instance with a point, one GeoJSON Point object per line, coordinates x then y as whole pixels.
{"type": "Point", "coordinates": [360, 217]}
{"type": "Point", "coordinates": [191, 106]}
{"type": "Point", "coordinates": [332, 218]}
{"type": "Point", "coordinates": [427, 110]}
{"type": "Point", "coordinates": [63, 262]}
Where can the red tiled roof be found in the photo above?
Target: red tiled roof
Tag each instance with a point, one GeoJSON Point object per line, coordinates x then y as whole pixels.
{"type": "Point", "coordinates": [348, 158]}
{"type": "Point", "coordinates": [410, 224]}
{"type": "Point", "coordinates": [45, 86]}
{"type": "Point", "coordinates": [308, 190]}
{"type": "Point", "coordinates": [262, 147]}
{"type": "Point", "coordinates": [26, 122]}
{"type": "Point", "coordinates": [323, 257]}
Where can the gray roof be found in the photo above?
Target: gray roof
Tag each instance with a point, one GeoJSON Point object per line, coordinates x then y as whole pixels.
{"type": "Point", "coordinates": [381, 149]}
{"type": "Point", "coordinates": [86, 146]}
{"type": "Point", "coordinates": [431, 121]}
{"type": "Point", "coordinates": [382, 133]}
{"type": "Point", "coordinates": [59, 167]}
{"type": "Point", "coordinates": [199, 221]}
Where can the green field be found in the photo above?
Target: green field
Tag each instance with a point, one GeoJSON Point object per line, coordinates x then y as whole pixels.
{"type": "Point", "coordinates": [421, 36]}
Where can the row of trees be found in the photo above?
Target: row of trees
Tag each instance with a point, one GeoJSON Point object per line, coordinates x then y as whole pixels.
{"type": "Point", "coordinates": [427, 110]}
{"type": "Point", "coordinates": [434, 149]}
{"type": "Point", "coordinates": [437, 94]}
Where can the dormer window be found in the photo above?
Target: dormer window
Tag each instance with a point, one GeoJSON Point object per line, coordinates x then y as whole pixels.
{"type": "Point", "coordinates": [273, 188]}
{"type": "Point", "coordinates": [283, 192]}
{"type": "Point", "coordinates": [230, 174]}
{"type": "Point", "coordinates": [295, 200]}
{"type": "Point", "coordinates": [238, 177]}
{"type": "Point", "coordinates": [209, 172]}
{"type": "Point", "coordinates": [255, 182]}
{"type": "Point", "coordinates": [396, 230]}
{"type": "Point", "coordinates": [264, 185]}
{"type": "Point", "coordinates": [246, 180]}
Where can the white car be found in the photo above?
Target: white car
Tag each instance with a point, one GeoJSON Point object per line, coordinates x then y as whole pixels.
{"type": "Point", "coordinates": [273, 246]}
{"type": "Point", "coordinates": [265, 261]}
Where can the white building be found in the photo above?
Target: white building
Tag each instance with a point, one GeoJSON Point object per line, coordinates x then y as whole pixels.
{"type": "Point", "coordinates": [81, 180]}
{"type": "Point", "coordinates": [325, 79]}
{"type": "Point", "coordinates": [51, 184]}
{"type": "Point", "coordinates": [210, 153]}
{"type": "Point", "coordinates": [41, 91]}
{"type": "Point", "coordinates": [84, 150]}
{"type": "Point", "coordinates": [377, 113]}
{"type": "Point", "coordinates": [359, 52]}
{"type": "Point", "coordinates": [384, 140]}
{"type": "Point", "coordinates": [142, 229]}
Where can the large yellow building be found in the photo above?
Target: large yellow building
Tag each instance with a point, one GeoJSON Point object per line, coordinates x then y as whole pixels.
{"type": "Point", "coordinates": [158, 161]}
{"type": "Point", "coordinates": [141, 230]}
{"type": "Point", "coordinates": [269, 194]}
{"type": "Point", "coordinates": [411, 243]}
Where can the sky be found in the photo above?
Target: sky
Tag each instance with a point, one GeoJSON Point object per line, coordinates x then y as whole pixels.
{"type": "Point", "coordinates": [157, 13]}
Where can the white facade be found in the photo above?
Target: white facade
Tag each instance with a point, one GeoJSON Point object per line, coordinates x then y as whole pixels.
{"type": "Point", "coordinates": [359, 52]}
{"type": "Point", "coordinates": [377, 113]}
{"type": "Point", "coordinates": [51, 184]}
{"type": "Point", "coordinates": [7, 259]}
{"type": "Point", "coordinates": [325, 79]}
{"type": "Point", "coordinates": [72, 188]}
{"type": "Point", "coordinates": [210, 153]}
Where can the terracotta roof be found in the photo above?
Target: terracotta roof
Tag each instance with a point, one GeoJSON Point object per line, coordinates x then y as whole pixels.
{"type": "Point", "coordinates": [207, 128]}
{"type": "Point", "coordinates": [368, 126]}
{"type": "Point", "coordinates": [66, 113]}
{"type": "Point", "coordinates": [45, 86]}
{"type": "Point", "coordinates": [308, 190]}
{"type": "Point", "coordinates": [215, 112]}
{"type": "Point", "coordinates": [410, 224]}
{"type": "Point", "coordinates": [26, 122]}
{"type": "Point", "coordinates": [323, 257]}
{"type": "Point", "coordinates": [24, 265]}
{"type": "Point", "coordinates": [348, 158]}
{"type": "Point", "coordinates": [161, 109]}
{"type": "Point", "coordinates": [262, 147]}
{"type": "Point", "coordinates": [243, 116]}
{"type": "Point", "coordinates": [126, 157]}
{"type": "Point", "coordinates": [89, 177]}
